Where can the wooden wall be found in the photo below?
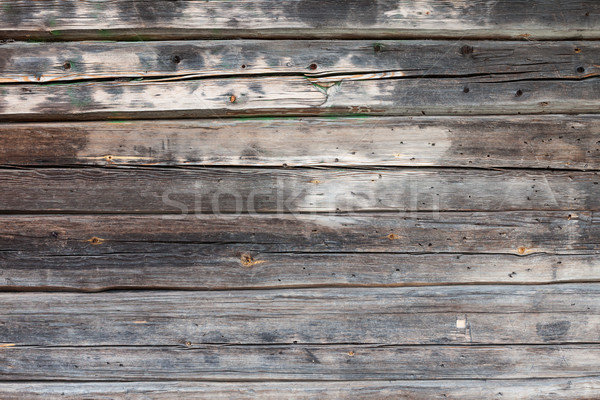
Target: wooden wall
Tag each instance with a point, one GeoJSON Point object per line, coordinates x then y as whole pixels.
{"type": "Point", "coordinates": [299, 199]}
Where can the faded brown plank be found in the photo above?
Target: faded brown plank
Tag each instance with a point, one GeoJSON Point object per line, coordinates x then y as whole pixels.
{"type": "Point", "coordinates": [143, 19]}
{"type": "Point", "coordinates": [64, 61]}
{"type": "Point", "coordinates": [517, 233]}
{"type": "Point", "coordinates": [217, 191]}
{"type": "Point", "coordinates": [296, 96]}
{"type": "Point", "coordinates": [562, 142]}
{"type": "Point", "coordinates": [542, 389]}
{"type": "Point", "coordinates": [228, 267]}
{"type": "Point", "coordinates": [336, 362]}
{"type": "Point", "coordinates": [471, 315]}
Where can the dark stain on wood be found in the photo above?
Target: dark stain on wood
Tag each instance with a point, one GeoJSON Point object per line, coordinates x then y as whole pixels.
{"type": "Point", "coordinates": [148, 11]}
{"type": "Point", "coordinates": [327, 13]}
{"type": "Point", "coordinates": [553, 330]}
{"type": "Point", "coordinates": [40, 145]}
{"type": "Point", "coordinates": [6, 57]}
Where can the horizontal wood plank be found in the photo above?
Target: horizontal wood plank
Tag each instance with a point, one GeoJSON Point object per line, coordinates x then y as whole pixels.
{"type": "Point", "coordinates": [228, 267]}
{"type": "Point", "coordinates": [561, 142]}
{"type": "Point", "coordinates": [66, 61]}
{"type": "Point", "coordinates": [518, 233]}
{"type": "Point", "coordinates": [385, 316]}
{"type": "Point", "coordinates": [207, 252]}
{"type": "Point", "coordinates": [142, 19]}
{"type": "Point", "coordinates": [300, 362]}
{"type": "Point", "coordinates": [543, 389]}
{"type": "Point", "coordinates": [296, 96]}
{"type": "Point", "coordinates": [216, 191]}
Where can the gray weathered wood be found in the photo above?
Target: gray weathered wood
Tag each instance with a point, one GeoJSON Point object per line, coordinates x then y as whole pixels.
{"type": "Point", "coordinates": [292, 95]}
{"type": "Point", "coordinates": [300, 362]}
{"type": "Point", "coordinates": [562, 142]}
{"type": "Point", "coordinates": [543, 389]}
{"type": "Point", "coordinates": [411, 282]}
{"type": "Point", "coordinates": [237, 190]}
{"type": "Point", "coordinates": [141, 19]}
{"type": "Point", "coordinates": [225, 267]}
{"type": "Point", "coordinates": [66, 61]}
{"type": "Point", "coordinates": [471, 315]}
{"type": "Point", "coordinates": [518, 233]}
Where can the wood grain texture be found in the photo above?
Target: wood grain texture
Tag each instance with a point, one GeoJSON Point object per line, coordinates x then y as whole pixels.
{"type": "Point", "coordinates": [518, 233]}
{"type": "Point", "coordinates": [228, 267]}
{"type": "Point", "coordinates": [300, 362]}
{"type": "Point", "coordinates": [217, 191]}
{"type": "Point", "coordinates": [454, 253]}
{"type": "Point", "coordinates": [383, 316]}
{"type": "Point", "coordinates": [140, 19]}
{"type": "Point", "coordinates": [561, 142]}
{"type": "Point", "coordinates": [296, 96]}
{"type": "Point", "coordinates": [67, 61]}
{"type": "Point", "coordinates": [543, 389]}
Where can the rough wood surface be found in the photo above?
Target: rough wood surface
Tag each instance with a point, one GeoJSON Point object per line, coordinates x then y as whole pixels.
{"type": "Point", "coordinates": [539, 19]}
{"type": "Point", "coordinates": [453, 253]}
{"type": "Point", "coordinates": [292, 95]}
{"type": "Point", "coordinates": [518, 233]}
{"type": "Point", "coordinates": [236, 190]}
{"type": "Point", "coordinates": [383, 316]}
{"type": "Point", "coordinates": [227, 267]}
{"type": "Point", "coordinates": [561, 142]}
{"type": "Point", "coordinates": [299, 362]}
{"type": "Point", "coordinates": [543, 389]}
{"type": "Point", "coordinates": [66, 61]}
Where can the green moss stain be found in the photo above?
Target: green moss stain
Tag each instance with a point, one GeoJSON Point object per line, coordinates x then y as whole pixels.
{"type": "Point", "coordinates": [378, 47]}
{"type": "Point", "coordinates": [320, 88]}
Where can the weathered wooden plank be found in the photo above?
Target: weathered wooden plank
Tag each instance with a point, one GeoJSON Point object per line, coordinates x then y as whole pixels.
{"type": "Point", "coordinates": [385, 316]}
{"type": "Point", "coordinates": [542, 389]}
{"type": "Point", "coordinates": [239, 191]}
{"type": "Point", "coordinates": [63, 61]}
{"type": "Point", "coordinates": [561, 142]}
{"type": "Point", "coordinates": [227, 267]}
{"type": "Point", "coordinates": [518, 233]}
{"type": "Point", "coordinates": [539, 19]}
{"type": "Point", "coordinates": [299, 362]}
{"type": "Point", "coordinates": [292, 95]}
